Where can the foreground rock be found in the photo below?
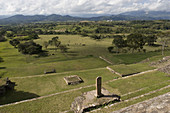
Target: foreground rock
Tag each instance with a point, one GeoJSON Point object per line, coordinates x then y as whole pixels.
{"type": "Point", "coordinates": [6, 85]}
{"type": "Point", "coordinates": [165, 69]}
{"type": "Point", "coordinates": [160, 104]}
{"type": "Point", "coordinates": [88, 101]}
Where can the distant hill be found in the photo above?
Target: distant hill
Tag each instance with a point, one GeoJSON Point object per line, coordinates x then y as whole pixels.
{"type": "Point", "coordinates": [153, 14]}
{"type": "Point", "coordinates": [3, 16]}
{"type": "Point", "coordinates": [134, 15]}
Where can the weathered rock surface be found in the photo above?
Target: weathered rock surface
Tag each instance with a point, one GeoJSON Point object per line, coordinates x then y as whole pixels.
{"type": "Point", "coordinates": [163, 60]}
{"type": "Point", "coordinates": [160, 104]}
{"type": "Point", "coordinates": [88, 101]}
{"type": "Point", "coordinates": [165, 69]}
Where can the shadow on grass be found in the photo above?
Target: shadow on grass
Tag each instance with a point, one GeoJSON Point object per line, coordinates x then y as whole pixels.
{"type": "Point", "coordinates": [15, 96]}
{"type": "Point", "coordinates": [156, 45]}
{"type": "Point", "coordinates": [2, 67]}
{"type": "Point", "coordinates": [130, 74]}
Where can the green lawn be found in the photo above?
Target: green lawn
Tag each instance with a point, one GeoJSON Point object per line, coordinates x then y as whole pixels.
{"type": "Point", "coordinates": [60, 66]}
{"type": "Point", "coordinates": [62, 102]}
{"type": "Point", "coordinates": [124, 86]}
{"type": "Point", "coordinates": [52, 104]}
{"type": "Point", "coordinates": [78, 57]}
{"type": "Point", "coordinates": [131, 69]}
{"type": "Point", "coordinates": [39, 86]}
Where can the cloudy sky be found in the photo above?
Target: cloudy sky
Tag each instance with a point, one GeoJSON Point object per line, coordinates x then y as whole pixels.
{"type": "Point", "coordinates": [79, 7]}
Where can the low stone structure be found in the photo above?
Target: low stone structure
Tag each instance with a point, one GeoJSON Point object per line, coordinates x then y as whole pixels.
{"type": "Point", "coordinates": [49, 71]}
{"type": "Point", "coordinates": [98, 87]}
{"type": "Point", "coordinates": [88, 101]}
{"type": "Point", "coordinates": [94, 99]}
{"type": "Point", "coordinates": [73, 79]}
{"type": "Point", "coordinates": [165, 69]}
{"type": "Point", "coordinates": [163, 60]}
{"type": "Point", "coordinates": [6, 85]}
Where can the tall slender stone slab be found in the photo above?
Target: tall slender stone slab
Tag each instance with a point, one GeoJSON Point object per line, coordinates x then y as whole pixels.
{"type": "Point", "coordinates": [98, 86]}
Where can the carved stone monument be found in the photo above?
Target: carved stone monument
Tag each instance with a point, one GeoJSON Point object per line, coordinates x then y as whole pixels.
{"type": "Point", "coordinates": [98, 87]}
{"type": "Point", "coordinates": [87, 101]}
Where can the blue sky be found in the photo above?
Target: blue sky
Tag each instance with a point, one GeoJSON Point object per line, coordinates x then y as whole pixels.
{"type": "Point", "coordinates": [79, 7]}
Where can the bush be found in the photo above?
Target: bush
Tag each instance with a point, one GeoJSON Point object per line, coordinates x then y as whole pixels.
{"type": "Point", "coordinates": [14, 42]}
{"type": "Point", "coordinates": [30, 48]}
{"type": "Point", "coordinates": [110, 49]}
{"type": "Point", "coordinates": [2, 39]}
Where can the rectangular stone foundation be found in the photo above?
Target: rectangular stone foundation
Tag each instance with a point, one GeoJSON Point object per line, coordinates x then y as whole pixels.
{"type": "Point", "coordinates": [72, 80]}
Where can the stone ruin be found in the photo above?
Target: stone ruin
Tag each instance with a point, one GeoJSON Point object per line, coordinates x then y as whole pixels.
{"type": "Point", "coordinates": [94, 99]}
{"type": "Point", "coordinates": [73, 79]}
{"type": "Point", "coordinates": [6, 85]}
{"type": "Point", "coordinates": [98, 87]}
{"type": "Point", "coordinates": [49, 71]}
{"type": "Point", "coordinates": [165, 69]}
{"type": "Point", "coordinates": [163, 60]}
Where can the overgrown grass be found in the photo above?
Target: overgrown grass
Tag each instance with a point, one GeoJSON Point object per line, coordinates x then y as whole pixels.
{"type": "Point", "coordinates": [78, 57]}
{"type": "Point", "coordinates": [39, 86]}
{"type": "Point", "coordinates": [124, 86]}
{"type": "Point", "coordinates": [52, 104]}
{"type": "Point", "coordinates": [131, 69]}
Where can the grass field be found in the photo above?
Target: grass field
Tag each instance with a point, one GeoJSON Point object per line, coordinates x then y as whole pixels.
{"type": "Point", "coordinates": [78, 57]}
{"type": "Point", "coordinates": [124, 86]}
{"type": "Point", "coordinates": [62, 102]}
{"type": "Point", "coordinates": [79, 60]}
{"type": "Point", "coordinates": [132, 68]}
{"type": "Point", "coordinates": [49, 84]}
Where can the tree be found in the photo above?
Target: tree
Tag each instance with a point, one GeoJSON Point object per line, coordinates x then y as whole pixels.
{"type": "Point", "coordinates": [150, 39]}
{"type": "Point", "coordinates": [110, 49]}
{"type": "Point", "coordinates": [45, 44]}
{"type": "Point", "coordinates": [135, 41]}
{"type": "Point", "coordinates": [119, 42]}
{"type": "Point", "coordinates": [165, 39]}
{"type": "Point", "coordinates": [1, 60]}
{"type": "Point", "coordinates": [55, 42]}
{"type": "Point", "coordinates": [33, 36]}
{"type": "Point", "coordinates": [2, 38]}
{"type": "Point", "coordinates": [63, 48]}
{"type": "Point", "coordinates": [14, 42]}
{"type": "Point", "coordinates": [9, 35]}
{"type": "Point", "coordinates": [30, 48]}
{"type": "Point", "coordinates": [97, 37]}
{"type": "Point", "coordinates": [2, 34]}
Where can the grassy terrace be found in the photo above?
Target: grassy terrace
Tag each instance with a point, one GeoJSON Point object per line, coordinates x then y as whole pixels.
{"type": "Point", "coordinates": [60, 66]}
{"type": "Point", "coordinates": [79, 60]}
{"type": "Point", "coordinates": [124, 86]}
{"type": "Point", "coordinates": [126, 104]}
{"type": "Point", "coordinates": [131, 69]}
{"type": "Point", "coordinates": [149, 82]}
{"type": "Point", "coordinates": [78, 57]}
{"type": "Point", "coordinates": [52, 104]}
{"type": "Point", "coordinates": [39, 86]}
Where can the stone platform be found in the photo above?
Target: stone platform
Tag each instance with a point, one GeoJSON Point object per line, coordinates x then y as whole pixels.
{"type": "Point", "coordinates": [72, 80]}
{"type": "Point", "coordinates": [88, 101]}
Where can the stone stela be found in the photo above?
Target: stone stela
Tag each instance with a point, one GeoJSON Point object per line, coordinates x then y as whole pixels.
{"type": "Point", "coordinates": [98, 87]}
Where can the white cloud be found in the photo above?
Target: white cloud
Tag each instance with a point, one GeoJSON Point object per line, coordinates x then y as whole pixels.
{"type": "Point", "coordinates": [76, 7]}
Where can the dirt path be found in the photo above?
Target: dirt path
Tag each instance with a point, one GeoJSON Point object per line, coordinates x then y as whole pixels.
{"type": "Point", "coordinates": [29, 100]}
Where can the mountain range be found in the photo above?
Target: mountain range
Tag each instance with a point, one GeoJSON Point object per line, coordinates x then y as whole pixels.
{"type": "Point", "coordinates": [134, 15]}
